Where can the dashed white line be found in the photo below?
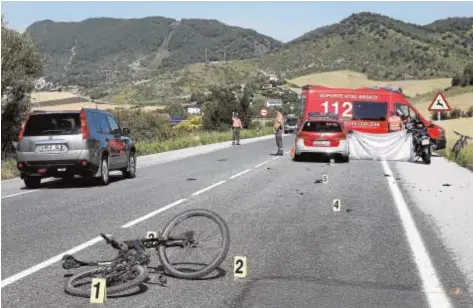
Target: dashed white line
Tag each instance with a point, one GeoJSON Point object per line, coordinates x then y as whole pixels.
{"type": "Point", "coordinates": [261, 164]}
{"type": "Point", "coordinates": [433, 288]}
{"type": "Point", "coordinates": [275, 157]}
{"type": "Point", "coordinates": [238, 174]}
{"type": "Point", "coordinates": [48, 262]}
{"type": "Point", "coordinates": [95, 240]}
{"type": "Point", "coordinates": [142, 218]}
{"type": "Point", "coordinates": [208, 188]}
{"type": "Point", "coordinates": [20, 193]}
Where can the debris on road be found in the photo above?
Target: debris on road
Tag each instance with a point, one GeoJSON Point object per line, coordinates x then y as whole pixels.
{"type": "Point", "coordinates": [446, 184]}
{"type": "Point", "coordinates": [191, 179]}
{"type": "Point", "coordinates": [387, 174]}
{"type": "Point", "coordinates": [348, 210]}
{"type": "Point", "coordinates": [222, 159]}
{"type": "Point", "coordinates": [318, 181]}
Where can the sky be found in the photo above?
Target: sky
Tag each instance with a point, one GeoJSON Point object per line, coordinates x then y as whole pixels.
{"type": "Point", "coordinates": [281, 20]}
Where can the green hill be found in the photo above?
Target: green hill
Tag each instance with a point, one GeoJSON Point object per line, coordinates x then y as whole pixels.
{"type": "Point", "coordinates": [381, 47]}
{"type": "Point", "coordinates": [157, 59]}
{"type": "Point", "coordinates": [107, 50]}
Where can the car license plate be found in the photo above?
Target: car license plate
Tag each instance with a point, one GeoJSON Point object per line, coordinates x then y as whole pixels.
{"type": "Point", "coordinates": [61, 169]}
{"type": "Point", "coordinates": [317, 142]}
{"type": "Point", "coordinates": [425, 141]}
{"type": "Point", "coordinates": [51, 148]}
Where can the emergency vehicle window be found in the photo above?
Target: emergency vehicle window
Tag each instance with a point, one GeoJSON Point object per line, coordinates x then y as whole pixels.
{"type": "Point", "coordinates": [402, 109]}
{"type": "Point", "coordinates": [370, 111]}
{"type": "Point", "coordinates": [321, 127]}
{"type": "Point", "coordinates": [405, 110]}
{"type": "Point", "coordinates": [303, 102]}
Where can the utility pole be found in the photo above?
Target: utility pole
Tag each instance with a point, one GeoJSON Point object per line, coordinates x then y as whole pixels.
{"type": "Point", "coordinates": [206, 61]}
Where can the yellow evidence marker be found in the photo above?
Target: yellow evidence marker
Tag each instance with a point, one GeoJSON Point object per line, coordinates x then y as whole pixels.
{"type": "Point", "coordinates": [324, 178]}
{"type": "Point", "coordinates": [98, 291]}
{"type": "Point", "coordinates": [239, 267]}
{"type": "Point", "coordinates": [337, 204]}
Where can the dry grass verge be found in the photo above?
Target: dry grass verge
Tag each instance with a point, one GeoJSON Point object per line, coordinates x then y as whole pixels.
{"type": "Point", "coordinates": [9, 169]}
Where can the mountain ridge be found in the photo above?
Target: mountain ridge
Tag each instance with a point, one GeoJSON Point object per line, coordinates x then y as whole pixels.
{"type": "Point", "coordinates": [375, 44]}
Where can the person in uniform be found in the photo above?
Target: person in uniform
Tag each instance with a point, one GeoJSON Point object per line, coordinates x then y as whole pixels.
{"type": "Point", "coordinates": [236, 127]}
{"type": "Point", "coordinates": [395, 122]}
{"type": "Point", "coordinates": [278, 131]}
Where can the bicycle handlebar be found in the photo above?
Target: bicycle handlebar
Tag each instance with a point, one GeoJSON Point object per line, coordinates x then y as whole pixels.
{"type": "Point", "coordinates": [111, 241]}
{"type": "Point", "coordinates": [467, 137]}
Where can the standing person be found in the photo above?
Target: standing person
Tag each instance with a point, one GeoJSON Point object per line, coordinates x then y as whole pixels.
{"type": "Point", "coordinates": [408, 123]}
{"type": "Point", "coordinates": [278, 130]}
{"type": "Point", "coordinates": [236, 127]}
{"type": "Point", "coordinates": [395, 122]}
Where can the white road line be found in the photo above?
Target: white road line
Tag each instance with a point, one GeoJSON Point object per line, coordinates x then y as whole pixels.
{"type": "Point", "coordinates": [276, 157]}
{"type": "Point", "coordinates": [48, 262]}
{"type": "Point", "coordinates": [432, 285]}
{"type": "Point", "coordinates": [142, 218]}
{"type": "Point", "coordinates": [263, 163]}
{"type": "Point", "coordinates": [208, 188]}
{"type": "Point", "coordinates": [238, 174]}
{"type": "Point", "coordinates": [20, 193]}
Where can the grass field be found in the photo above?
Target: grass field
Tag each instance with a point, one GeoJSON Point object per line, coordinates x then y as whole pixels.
{"type": "Point", "coordinates": [78, 106]}
{"type": "Point", "coordinates": [463, 126]}
{"type": "Point", "coordinates": [349, 79]}
{"type": "Point", "coordinates": [50, 96]}
{"type": "Point", "coordinates": [462, 101]}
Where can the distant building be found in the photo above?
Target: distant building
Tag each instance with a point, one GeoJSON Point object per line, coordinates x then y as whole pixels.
{"type": "Point", "coordinates": [274, 102]}
{"type": "Point", "coordinates": [193, 108]}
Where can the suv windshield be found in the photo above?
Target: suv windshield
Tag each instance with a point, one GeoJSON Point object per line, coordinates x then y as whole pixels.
{"type": "Point", "coordinates": [321, 127]}
{"type": "Point", "coordinates": [52, 124]}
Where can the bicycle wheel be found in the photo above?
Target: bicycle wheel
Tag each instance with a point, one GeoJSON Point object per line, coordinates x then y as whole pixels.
{"type": "Point", "coordinates": [75, 285]}
{"type": "Point", "coordinates": [456, 149]}
{"type": "Point", "coordinates": [186, 269]}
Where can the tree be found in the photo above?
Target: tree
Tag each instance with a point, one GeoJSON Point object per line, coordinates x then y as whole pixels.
{"type": "Point", "coordinates": [21, 65]}
{"type": "Point", "coordinates": [176, 110]}
{"type": "Point", "coordinates": [244, 108]}
{"type": "Point", "coordinates": [218, 110]}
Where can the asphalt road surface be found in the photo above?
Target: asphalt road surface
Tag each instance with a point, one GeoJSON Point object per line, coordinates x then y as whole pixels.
{"type": "Point", "coordinates": [378, 251]}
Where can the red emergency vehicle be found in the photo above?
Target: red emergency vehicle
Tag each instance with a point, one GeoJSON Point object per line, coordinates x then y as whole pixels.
{"type": "Point", "coordinates": [364, 109]}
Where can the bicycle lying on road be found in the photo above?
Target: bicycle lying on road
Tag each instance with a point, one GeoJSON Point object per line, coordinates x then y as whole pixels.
{"type": "Point", "coordinates": [129, 268]}
{"type": "Point", "coordinates": [460, 144]}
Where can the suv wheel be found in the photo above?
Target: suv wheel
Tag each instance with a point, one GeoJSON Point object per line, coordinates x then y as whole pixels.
{"type": "Point", "coordinates": [104, 171]}
{"type": "Point", "coordinates": [32, 182]}
{"type": "Point", "coordinates": [130, 171]}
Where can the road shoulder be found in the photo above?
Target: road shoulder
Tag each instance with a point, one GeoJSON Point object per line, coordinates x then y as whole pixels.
{"type": "Point", "coordinates": [440, 196]}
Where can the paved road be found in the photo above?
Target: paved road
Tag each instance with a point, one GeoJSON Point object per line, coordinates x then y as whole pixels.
{"type": "Point", "coordinates": [300, 253]}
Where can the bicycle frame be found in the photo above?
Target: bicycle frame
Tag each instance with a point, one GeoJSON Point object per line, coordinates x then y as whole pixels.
{"type": "Point", "coordinates": [139, 245]}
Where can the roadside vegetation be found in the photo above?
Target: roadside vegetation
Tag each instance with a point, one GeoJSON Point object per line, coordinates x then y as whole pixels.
{"type": "Point", "coordinates": [149, 81]}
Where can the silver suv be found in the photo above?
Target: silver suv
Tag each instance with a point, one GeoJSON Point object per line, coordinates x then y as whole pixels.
{"type": "Point", "coordinates": [62, 144]}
